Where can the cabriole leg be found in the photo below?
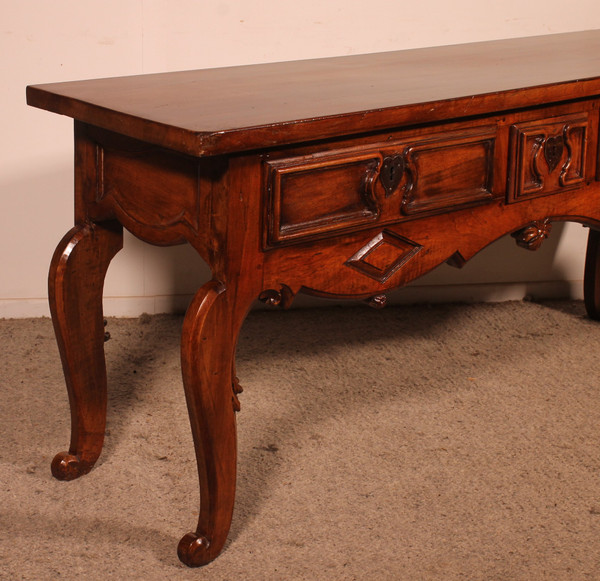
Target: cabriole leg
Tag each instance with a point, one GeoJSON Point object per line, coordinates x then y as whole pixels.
{"type": "Point", "coordinates": [75, 286]}
{"type": "Point", "coordinates": [209, 336]}
{"type": "Point", "coordinates": [591, 279]}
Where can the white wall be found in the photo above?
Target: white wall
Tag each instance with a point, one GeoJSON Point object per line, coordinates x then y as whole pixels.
{"type": "Point", "coordinates": [47, 41]}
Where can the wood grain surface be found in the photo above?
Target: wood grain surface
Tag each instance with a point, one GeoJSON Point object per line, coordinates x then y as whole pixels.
{"type": "Point", "coordinates": [230, 109]}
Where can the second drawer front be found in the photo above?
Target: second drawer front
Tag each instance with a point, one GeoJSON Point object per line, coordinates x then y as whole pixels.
{"type": "Point", "coordinates": [548, 156]}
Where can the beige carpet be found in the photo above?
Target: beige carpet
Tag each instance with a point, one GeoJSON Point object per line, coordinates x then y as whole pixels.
{"type": "Point", "coordinates": [413, 443]}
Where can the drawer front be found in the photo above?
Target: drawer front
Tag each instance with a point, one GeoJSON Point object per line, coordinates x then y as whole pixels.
{"type": "Point", "coordinates": [317, 195]}
{"type": "Point", "coordinates": [548, 156]}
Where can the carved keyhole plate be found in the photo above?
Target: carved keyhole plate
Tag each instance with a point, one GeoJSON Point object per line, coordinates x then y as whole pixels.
{"type": "Point", "coordinates": [553, 151]}
{"type": "Point", "coordinates": [392, 170]}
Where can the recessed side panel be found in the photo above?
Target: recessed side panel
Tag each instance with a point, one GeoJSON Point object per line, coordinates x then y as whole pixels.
{"type": "Point", "coordinates": [154, 193]}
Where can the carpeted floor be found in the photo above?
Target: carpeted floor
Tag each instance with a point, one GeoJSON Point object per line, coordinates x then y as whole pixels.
{"type": "Point", "coordinates": [412, 443]}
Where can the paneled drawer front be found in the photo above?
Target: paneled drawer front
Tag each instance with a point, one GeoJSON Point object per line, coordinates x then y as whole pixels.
{"type": "Point", "coordinates": [315, 195]}
{"type": "Point", "coordinates": [450, 172]}
{"type": "Point", "coordinates": [318, 195]}
{"type": "Point", "coordinates": [548, 156]}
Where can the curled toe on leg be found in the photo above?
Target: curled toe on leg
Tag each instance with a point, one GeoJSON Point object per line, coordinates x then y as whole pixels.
{"type": "Point", "coordinates": [66, 466]}
{"type": "Point", "coordinates": [193, 550]}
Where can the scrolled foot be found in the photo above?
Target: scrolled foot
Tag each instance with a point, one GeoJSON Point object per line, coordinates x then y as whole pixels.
{"type": "Point", "coordinates": [67, 466]}
{"type": "Point", "coordinates": [193, 550]}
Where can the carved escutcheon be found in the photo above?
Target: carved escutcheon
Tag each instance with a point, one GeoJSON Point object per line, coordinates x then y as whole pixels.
{"type": "Point", "coordinates": [553, 151]}
{"type": "Point", "coordinates": [392, 170]}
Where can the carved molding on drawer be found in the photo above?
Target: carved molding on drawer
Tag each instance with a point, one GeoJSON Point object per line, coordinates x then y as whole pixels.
{"type": "Point", "coordinates": [547, 156]}
{"type": "Point", "coordinates": [383, 255]}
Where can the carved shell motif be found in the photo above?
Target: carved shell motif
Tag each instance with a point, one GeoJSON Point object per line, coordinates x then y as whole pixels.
{"type": "Point", "coordinates": [532, 236]}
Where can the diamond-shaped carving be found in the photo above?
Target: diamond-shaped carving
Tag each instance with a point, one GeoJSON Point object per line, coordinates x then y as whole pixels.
{"type": "Point", "coordinates": [382, 256]}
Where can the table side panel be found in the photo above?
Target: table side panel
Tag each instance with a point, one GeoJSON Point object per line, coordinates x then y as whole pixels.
{"type": "Point", "coordinates": [161, 196]}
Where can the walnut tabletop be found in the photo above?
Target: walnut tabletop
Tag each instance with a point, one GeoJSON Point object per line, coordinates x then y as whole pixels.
{"type": "Point", "coordinates": [339, 177]}
{"type": "Point", "coordinates": [230, 109]}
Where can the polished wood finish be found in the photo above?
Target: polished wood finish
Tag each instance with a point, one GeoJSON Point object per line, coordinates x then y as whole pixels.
{"type": "Point", "coordinates": [341, 177]}
{"type": "Point", "coordinates": [241, 108]}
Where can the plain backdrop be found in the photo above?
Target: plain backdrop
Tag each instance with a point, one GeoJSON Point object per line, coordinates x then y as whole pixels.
{"type": "Point", "coordinates": [48, 41]}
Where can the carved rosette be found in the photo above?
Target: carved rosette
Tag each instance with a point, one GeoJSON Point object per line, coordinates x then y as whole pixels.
{"type": "Point", "coordinates": [532, 236]}
{"type": "Point", "coordinates": [277, 298]}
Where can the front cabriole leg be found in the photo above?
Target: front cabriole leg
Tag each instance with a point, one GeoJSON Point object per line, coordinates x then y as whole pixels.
{"type": "Point", "coordinates": [75, 285]}
{"type": "Point", "coordinates": [209, 336]}
{"type": "Point", "coordinates": [591, 278]}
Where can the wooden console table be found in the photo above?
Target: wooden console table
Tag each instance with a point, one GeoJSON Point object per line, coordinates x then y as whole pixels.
{"type": "Point", "coordinates": [339, 177]}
